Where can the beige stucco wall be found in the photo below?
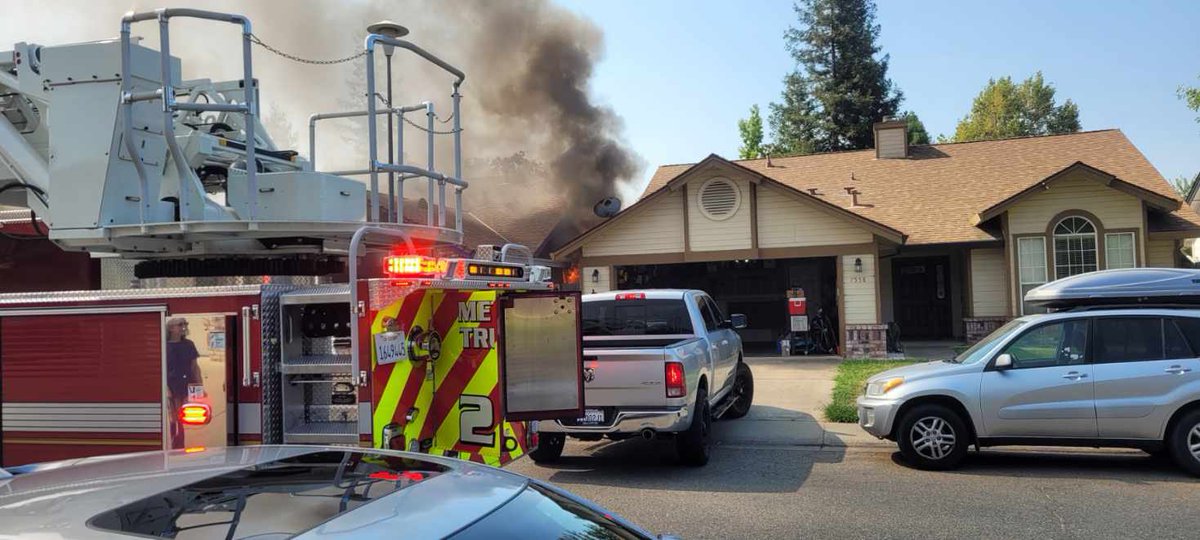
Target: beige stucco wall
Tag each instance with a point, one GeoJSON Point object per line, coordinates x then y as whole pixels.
{"type": "Point", "coordinates": [784, 221]}
{"type": "Point", "coordinates": [988, 291]}
{"type": "Point", "coordinates": [711, 235]}
{"type": "Point", "coordinates": [858, 290]}
{"type": "Point", "coordinates": [1116, 210]}
{"type": "Point", "coordinates": [603, 282]}
{"type": "Point", "coordinates": [1160, 253]}
{"type": "Point", "coordinates": [657, 227]}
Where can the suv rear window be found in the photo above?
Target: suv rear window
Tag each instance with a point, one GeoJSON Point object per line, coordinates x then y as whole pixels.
{"type": "Point", "coordinates": [278, 499]}
{"type": "Point", "coordinates": [636, 317]}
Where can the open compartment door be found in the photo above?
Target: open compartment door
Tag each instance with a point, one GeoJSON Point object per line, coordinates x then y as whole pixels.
{"type": "Point", "coordinates": [541, 355]}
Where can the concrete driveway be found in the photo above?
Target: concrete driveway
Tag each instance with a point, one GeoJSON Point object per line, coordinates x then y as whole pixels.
{"type": "Point", "coordinates": [790, 394]}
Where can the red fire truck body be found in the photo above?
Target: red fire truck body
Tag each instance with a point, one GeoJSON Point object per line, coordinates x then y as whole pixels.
{"type": "Point", "coordinates": [87, 373]}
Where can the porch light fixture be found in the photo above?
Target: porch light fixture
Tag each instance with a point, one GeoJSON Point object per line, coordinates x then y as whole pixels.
{"type": "Point", "coordinates": [596, 275]}
{"type": "Point", "coordinates": [858, 265]}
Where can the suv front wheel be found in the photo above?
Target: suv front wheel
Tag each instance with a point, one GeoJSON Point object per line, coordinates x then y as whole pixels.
{"type": "Point", "coordinates": [933, 437]}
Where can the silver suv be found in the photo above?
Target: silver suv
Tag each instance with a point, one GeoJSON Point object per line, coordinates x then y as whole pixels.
{"type": "Point", "coordinates": [1091, 376]}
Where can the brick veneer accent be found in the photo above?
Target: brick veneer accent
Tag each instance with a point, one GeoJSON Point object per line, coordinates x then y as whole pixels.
{"type": "Point", "coordinates": [866, 341]}
{"type": "Point", "coordinates": [979, 327]}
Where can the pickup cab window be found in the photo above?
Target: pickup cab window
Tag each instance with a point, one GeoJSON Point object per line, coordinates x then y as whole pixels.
{"type": "Point", "coordinates": [708, 311]}
{"type": "Point", "coordinates": [636, 317]}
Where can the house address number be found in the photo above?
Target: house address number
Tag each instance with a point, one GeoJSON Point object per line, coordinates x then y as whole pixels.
{"type": "Point", "coordinates": [859, 279]}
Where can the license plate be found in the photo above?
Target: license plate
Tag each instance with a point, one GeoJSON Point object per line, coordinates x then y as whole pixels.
{"type": "Point", "coordinates": [592, 416]}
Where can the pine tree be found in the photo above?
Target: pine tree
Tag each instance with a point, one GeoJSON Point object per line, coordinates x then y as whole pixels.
{"type": "Point", "coordinates": [840, 88]}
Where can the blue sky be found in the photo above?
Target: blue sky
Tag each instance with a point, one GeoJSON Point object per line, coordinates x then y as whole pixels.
{"type": "Point", "coordinates": [681, 72]}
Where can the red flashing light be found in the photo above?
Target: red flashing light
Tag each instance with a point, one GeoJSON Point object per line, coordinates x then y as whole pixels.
{"type": "Point", "coordinates": [195, 414]}
{"type": "Point", "coordinates": [631, 296]}
{"type": "Point", "coordinates": [676, 387]}
{"type": "Point", "coordinates": [392, 476]}
{"type": "Point", "coordinates": [414, 266]}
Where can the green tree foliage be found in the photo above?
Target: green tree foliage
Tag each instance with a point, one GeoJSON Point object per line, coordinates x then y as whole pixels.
{"type": "Point", "coordinates": [1183, 184]}
{"type": "Point", "coordinates": [1192, 97]}
{"type": "Point", "coordinates": [1006, 109]}
{"type": "Point", "coordinates": [916, 129]}
{"type": "Point", "coordinates": [840, 88]}
{"type": "Point", "coordinates": [751, 130]}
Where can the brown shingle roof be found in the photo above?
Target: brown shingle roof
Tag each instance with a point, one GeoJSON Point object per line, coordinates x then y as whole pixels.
{"type": "Point", "coordinates": [933, 195]}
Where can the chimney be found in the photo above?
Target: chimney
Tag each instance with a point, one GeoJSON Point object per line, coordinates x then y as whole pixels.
{"type": "Point", "coordinates": [891, 138]}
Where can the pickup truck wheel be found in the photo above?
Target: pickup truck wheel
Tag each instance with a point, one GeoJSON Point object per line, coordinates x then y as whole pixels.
{"type": "Point", "coordinates": [692, 445]}
{"type": "Point", "coordinates": [742, 393]}
{"type": "Point", "coordinates": [933, 437]}
{"type": "Point", "coordinates": [1184, 442]}
{"type": "Point", "coordinates": [550, 447]}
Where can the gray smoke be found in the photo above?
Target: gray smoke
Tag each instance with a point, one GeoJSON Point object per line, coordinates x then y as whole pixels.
{"type": "Point", "coordinates": [529, 65]}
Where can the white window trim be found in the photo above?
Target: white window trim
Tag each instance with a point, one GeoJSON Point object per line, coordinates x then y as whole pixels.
{"type": "Point", "coordinates": [1020, 282]}
{"type": "Point", "coordinates": [1053, 270]}
{"type": "Point", "coordinates": [1132, 247]}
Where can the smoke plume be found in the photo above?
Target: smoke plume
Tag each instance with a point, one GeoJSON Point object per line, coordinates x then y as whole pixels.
{"type": "Point", "coordinates": [525, 100]}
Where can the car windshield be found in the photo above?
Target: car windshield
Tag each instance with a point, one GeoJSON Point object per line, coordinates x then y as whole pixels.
{"type": "Point", "coordinates": [540, 513]}
{"type": "Point", "coordinates": [636, 317]}
{"type": "Point", "coordinates": [983, 347]}
{"type": "Point", "coordinates": [278, 499]}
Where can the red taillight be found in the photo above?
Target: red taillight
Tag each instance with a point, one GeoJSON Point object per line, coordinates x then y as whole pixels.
{"type": "Point", "coordinates": [631, 296]}
{"type": "Point", "coordinates": [414, 266]}
{"type": "Point", "coordinates": [676, 387]}
{"type": "Point", "coordinates": [195, 414]}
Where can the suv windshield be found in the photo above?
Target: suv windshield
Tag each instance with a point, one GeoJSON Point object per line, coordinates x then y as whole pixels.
{"type": "Point", "coordinates": [636, 317]}
{"type": "Point", "coordinates": [983, 347]}
{"type": "Point", "coordinates": [278, 499]}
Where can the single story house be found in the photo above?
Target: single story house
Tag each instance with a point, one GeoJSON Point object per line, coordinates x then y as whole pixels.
{"type": "Point", "coordinates": [943, 240]}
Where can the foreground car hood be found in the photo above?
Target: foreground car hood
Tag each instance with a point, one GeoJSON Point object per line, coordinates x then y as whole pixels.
{"type": "Point", "coordinates": [923, 371]}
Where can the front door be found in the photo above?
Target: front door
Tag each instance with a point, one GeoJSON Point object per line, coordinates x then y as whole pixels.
{"type": "Point", "coordinates": [1048, 390]}
{"type": "Point", "coordinates": [921, 295]}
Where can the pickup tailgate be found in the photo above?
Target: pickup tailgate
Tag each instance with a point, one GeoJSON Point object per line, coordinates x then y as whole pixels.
{"type": "Point", "coordinates": [627, 372]}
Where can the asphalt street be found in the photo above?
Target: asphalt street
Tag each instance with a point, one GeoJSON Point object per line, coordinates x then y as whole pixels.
{"type": "Point", "coordinates": [761, 484]}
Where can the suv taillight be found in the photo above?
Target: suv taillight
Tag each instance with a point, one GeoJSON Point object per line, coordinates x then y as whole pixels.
{"type": "Point", "coordinates": [676, 387]}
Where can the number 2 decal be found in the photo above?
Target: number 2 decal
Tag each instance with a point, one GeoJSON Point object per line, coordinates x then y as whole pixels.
{"type": "Point", "coordinates": [475, 421]}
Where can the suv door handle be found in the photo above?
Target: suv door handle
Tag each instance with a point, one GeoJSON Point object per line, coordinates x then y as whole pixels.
{"type": "Point", "coordinates": [1075, 375]}
{"type": "Point", "coordinates": [1177, 370]}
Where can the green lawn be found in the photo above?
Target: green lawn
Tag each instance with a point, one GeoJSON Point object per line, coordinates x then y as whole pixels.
{"type": "Point", "coordinates": [848, 385]}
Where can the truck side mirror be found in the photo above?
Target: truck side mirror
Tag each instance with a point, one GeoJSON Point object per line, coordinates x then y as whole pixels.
{"type": "Point", "coordinates": [1004, 361]}
{"type": "Point", "coordinates": [737, 321]}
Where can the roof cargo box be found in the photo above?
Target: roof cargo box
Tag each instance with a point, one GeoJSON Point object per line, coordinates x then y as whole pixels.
{"type": "Point", "coordinates": [1120, 287]}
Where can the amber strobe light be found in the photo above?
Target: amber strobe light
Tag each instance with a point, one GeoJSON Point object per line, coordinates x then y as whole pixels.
{"type": "Point", "coordinates": [674, 377]}
{"type": "Point", "coordinates": [195, 414]}
{"type": "Point", "coordinates": [494, 270]}
{"type": "Point", "coordinates": [414, 266]}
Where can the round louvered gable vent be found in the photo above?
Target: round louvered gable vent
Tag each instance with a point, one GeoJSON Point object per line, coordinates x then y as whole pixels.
{"type": "Point", "coordinates": [719, 199]}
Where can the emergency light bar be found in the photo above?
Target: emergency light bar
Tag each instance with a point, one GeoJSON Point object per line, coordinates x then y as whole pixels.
{"type": "Point", "coordinates": [414, 266]}
{"type": "Point", "coordinates": [495, 270]}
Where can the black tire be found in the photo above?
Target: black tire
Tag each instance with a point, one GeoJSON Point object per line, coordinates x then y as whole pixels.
{"type": "Point", "coordinates": [1183, 438]}
{"type": "Point", "coordinates": [693, 445]}
{"type": "Point", "coordinates": [550, 447]}
{"type": "Point", "coordinates": [742, 393]}
{"type": "Point", "coordinates": [935, 453]}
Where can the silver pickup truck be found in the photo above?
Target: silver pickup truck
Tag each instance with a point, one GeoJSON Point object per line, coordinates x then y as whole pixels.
{"type": "Point", "coordinates": [657, 363]}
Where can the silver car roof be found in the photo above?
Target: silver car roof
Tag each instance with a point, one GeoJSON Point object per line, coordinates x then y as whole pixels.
{"type": "Point", "coordinates": [64, 496]}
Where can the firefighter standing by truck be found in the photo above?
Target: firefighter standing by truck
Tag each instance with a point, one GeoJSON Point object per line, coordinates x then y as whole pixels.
{"type": "Point", "coordinates": [184, 381]}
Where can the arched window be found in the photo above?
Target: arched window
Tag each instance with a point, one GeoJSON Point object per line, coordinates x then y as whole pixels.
{"type": "Point", "coordinates": [1074, 247]}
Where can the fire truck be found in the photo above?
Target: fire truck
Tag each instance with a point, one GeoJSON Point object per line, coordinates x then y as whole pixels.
{"type": "Point", "coordinates": [235, 332]}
